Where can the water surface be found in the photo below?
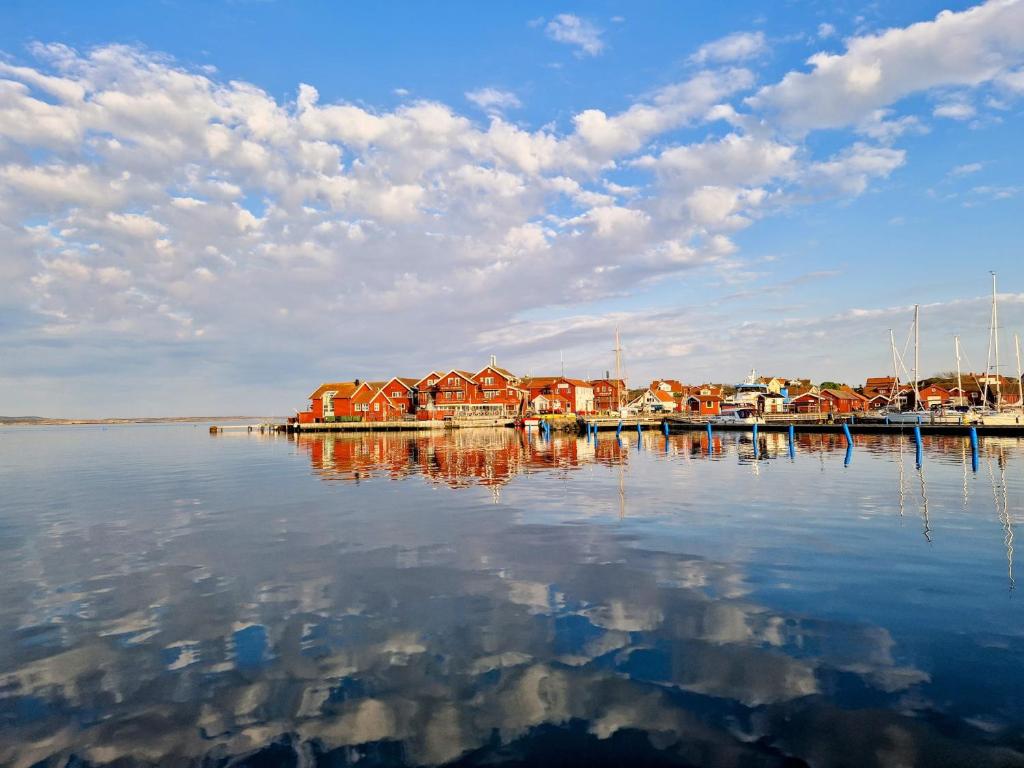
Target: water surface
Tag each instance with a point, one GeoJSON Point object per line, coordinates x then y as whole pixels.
{"type": "Point", "coordinates": [486, 597]}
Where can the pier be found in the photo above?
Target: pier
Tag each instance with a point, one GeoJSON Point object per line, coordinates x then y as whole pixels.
{"type": "Point", "coordinates": [855, 428]}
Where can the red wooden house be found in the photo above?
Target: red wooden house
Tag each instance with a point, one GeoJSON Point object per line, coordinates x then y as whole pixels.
{"type": "Point", "coordinates": [705, 400]}
{"type": "Point", "coordinates": [401, 392]}
{"type": "Point", "coordinates": [328, 401]}
{"type": "Point", "coordinates": [934, 396]}
{"type": "Point", "coordinates": [844, 401]}
{"type": "Point", "coordinates": [609, 394]}
{"type": "Point", "coordinates": [499, 390]}
{"type": "Point", "coordinates": [579, 393]}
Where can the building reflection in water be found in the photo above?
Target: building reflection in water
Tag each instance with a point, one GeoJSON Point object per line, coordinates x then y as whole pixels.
{"type": "Point", "coordinates": [288, 632]}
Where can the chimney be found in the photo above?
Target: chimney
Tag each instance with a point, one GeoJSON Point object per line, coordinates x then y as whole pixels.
{"type": "Point", "coordinates": [357, 382]}
{"type": "Point", "coordinates": [607, 374]}
{"type": "Point", "coordinates": [494, 361]}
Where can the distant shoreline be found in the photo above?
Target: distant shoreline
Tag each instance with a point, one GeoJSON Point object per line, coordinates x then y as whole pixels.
{"type": "Point", "coordinates": [42, 421]}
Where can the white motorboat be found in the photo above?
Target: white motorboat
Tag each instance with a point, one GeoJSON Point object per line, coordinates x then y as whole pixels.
{"type": "Point", "coordinates": [737, 416]}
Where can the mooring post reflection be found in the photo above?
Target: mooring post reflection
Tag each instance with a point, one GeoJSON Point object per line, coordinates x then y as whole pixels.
{"type": "Point", "coordinates": [488, 596]}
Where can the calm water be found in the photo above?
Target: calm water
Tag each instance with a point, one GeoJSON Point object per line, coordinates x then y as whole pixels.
{"type": "Point", "coordinates": [170, 597]}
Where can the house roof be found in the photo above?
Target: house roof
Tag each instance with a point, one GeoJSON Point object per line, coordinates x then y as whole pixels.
{"type": "Point", "coordinates": [497, 369]}
{"type": "Point", "coordinates": [464, 374]}
{"type": "Point", "coordinates": [842, 394]}
{"type": "Point", "coordinates": [342, 388]}
{"type": "Point", "coordinates": [550, 398]}
{"type": "Point", "coordinates": [432, 374]}
{"type": "Point", "coordinates": [808, 394]}
{"type": "Point", "coordinates": [405, 381]}
{"type": "Point", "coordinates": [665, 397]}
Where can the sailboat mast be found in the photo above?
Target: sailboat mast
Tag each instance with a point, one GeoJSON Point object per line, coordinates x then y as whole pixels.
{"type": "Point", "coordinates": [895, 369]}
{"type": "Point", "coordinates": [1020, 384]}
{"type": "Point", "coordinates": [995, 342]}
{"type": "Point", "coordinates": [917, 355]}
{"type": "Point", "coordinates": [618, 371]}
{"type": "Point", "coordinates": [959, 384]}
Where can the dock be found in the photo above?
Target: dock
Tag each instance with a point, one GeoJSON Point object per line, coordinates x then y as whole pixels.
{"type": "Point", "coordinates": [855, 428]}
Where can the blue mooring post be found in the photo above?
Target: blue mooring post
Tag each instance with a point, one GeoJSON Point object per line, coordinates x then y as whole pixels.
{"type": "Point", "coordinates": [618, 429]}
{"type": "Point", "coordinates": [849, 438]}
{"type": "Point", "coordinates": [886, 419]}
{"type": "Point", "coordinates": [711, 445]}
{"type": "Point", "coordinates": [792, 441]}
{"type": "Point", "coordinates": [639, 429]}
{"type": "Point", "coordinates": [757, 446]}
{"type": "Point", "coordinates": [664, 427]}
{"type": "Point", "coordinates": [917, 440]}
{"type": "Point", "coordinates": [849, 455]}
{"type": "Point", "coordinates": [974, 449]}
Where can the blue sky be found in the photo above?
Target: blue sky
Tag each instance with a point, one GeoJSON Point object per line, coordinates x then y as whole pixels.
{"type": "Point", "coordinates": [210, 207]}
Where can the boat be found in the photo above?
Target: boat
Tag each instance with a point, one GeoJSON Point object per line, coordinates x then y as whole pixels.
{"type": "Point", "coordinates": [740, 415]}
{"type": "Point", "coordinates": [998, 414]}
{"type": "Point", "coordinates": [748, 398]}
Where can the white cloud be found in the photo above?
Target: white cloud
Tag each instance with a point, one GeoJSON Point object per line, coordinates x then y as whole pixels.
{"type": "Point", "coordinates": [967, 48]}
{"type": "Point", "coordinates": [738, 46]}
{"type": "Point", "coordinates": [966, 169]}
{"type": "Point", "coordinates": [493, 99]}
{"type": "Point", "coordinates": [572, 30]}
{"type": "Point", "coordinates": [143, 200]}
{"type": "Point", "coordinates": [826, 30]}
{"type": "Point", "coordinates": [955, 110]}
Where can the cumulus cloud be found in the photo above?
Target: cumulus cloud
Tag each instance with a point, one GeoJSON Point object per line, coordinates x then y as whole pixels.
{"type": "Point", "coordinates": [579, 33]}
{"type": "Point", "coordinates": [738, 46]}
{"type": "Point", "coordinates": [146, 205]}
{"type": "Point", "coordinates": [965, 48]}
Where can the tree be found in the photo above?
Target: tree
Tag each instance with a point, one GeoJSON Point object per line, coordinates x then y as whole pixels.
{"type": "Point", "coordinates": [831, 385]}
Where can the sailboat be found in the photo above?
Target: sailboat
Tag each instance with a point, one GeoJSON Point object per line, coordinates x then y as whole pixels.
{"type": "Point", "coordinates": [917, 414]}
{"type": "Point", "coordinates": [998, 414]}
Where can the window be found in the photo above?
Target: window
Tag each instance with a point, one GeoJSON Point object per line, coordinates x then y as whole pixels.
{"type": "Point", "coordinates": [396, 393]}
{"type": "Point", "coordinates": [447, 395]}
{"type": "Point", "coordinates": [488, 379]}
{"type": "Point", "coordinates": [451, 381]}
{"type": "Point", "coordinates": [458, 395]}
{"type": "Point", "coordinates": [376, 406]}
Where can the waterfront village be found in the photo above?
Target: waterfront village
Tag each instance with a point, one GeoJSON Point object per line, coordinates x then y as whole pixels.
{"type": "Point", "coordinates": [493, 392]}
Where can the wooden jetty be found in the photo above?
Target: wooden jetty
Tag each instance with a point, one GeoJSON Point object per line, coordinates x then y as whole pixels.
{"type": "Point", "coordinates": [856, 428]}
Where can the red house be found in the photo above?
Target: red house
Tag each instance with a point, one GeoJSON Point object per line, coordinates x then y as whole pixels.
{"type": "Point", "coordinates": [380, 407]}
{"type": "Point", "coordinates": [400, 391]}
{"type": "Point", "coordinates": [705, 400]}
{"type": "Point", "coordinates": [499, 390]}
{"type": "Point", "coordinates": [934, 396]}
{"type": "Point", "coordinates": [328, 401]}
{"type": "Point", "coordinates": [579, 393]}
{"type": "Point", "coordinates": [844, 400]}
{"type": "Point", "coordinates": [609, 394]}
{"type": "Point", "coordinates": [809, 402]}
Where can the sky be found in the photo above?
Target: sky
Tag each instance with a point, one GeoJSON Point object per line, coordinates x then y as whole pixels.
{"type": "Point", "coordinates": [211, 207]}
